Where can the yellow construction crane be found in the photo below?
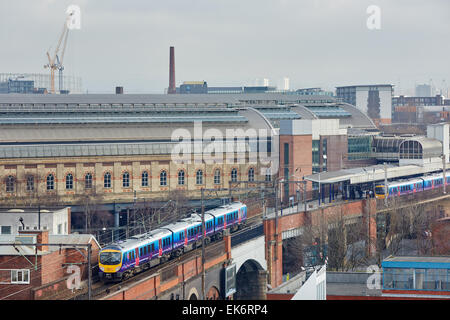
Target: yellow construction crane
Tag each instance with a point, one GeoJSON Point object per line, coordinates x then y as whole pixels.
{"type": "Point", "coordinates": [56, 63]}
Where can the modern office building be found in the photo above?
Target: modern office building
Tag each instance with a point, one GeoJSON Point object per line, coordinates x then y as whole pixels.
{"type": "Point", "coordinates": [374, 100]}
{"type": "Point", "coordinates": [424, 90]}
{"type": "Point", "coordinates": [17, 86]}
{"type": "Point", "coordinates": [417, 101]}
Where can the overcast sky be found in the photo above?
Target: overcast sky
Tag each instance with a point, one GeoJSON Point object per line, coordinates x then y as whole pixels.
{"type": "Point", "coordinates": [322, 43]}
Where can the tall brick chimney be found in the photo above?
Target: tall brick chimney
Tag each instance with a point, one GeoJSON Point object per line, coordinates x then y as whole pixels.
{"type": "Point", "coordinates": [172, 87]}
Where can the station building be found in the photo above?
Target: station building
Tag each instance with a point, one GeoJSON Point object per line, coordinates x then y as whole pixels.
{"type": "Point", "coordinates": [121, 148]}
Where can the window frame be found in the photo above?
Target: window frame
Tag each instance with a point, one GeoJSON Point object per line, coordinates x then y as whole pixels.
{"type": "Point", "coordinates": [107, 177]}
{"type": "Point", "coordinates": [217, 176]}
{"type": "Point", "coordinates": [10, 184]}
{"type": "Point", "coordinates": [88, 181]}
{"type": "Point", "coordinates": [144, 178]}
{"type": "Point", "coordinates": [163, 178]}
{"type": "Point", "coordinates": [181, 177]}
{"type": "Point", "coordinates": [69, 181]}
{"type": "Point", "coordinates": [23, 273]}
{"type": "Point", "coordinates": [199, 177]}
{"type": "Point", "coordinates": [30, 182]}
{"type": "Point", "coordinates": [50, 182]}
{"type": "Point", "coordinates": [126, 179]}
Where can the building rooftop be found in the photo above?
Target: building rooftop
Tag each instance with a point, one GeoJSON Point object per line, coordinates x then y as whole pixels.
{"type": "Point", "coordinates": [350, 284]}
{"type": "Point", "coordinates": [367, 85]}
{"type": "Point", "coordinates": [408, 259]}
{"type": "Point", "coordinates": [24, 249]}
{"type": "Point", "coordinates": [158, 99]}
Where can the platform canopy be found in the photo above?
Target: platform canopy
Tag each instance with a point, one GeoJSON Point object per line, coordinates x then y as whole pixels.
{"type": "Point", "coordinates": [372, 173]}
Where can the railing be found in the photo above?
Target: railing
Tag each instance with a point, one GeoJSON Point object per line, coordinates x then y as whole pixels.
{"type": "Point", "coordinates": [247, 234]}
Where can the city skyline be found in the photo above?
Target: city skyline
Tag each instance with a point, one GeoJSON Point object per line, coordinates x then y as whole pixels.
{"type": "Point", "coordinates": [315, 44]}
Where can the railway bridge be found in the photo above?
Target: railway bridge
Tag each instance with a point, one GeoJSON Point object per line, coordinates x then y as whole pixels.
{"type": "Point", "coordinates": [370, 213]}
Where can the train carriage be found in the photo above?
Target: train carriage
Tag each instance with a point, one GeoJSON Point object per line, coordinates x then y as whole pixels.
{"type": "Point", "coordinates": [403, 187]}
{"type": "Point", "coordinates": [124, 258]}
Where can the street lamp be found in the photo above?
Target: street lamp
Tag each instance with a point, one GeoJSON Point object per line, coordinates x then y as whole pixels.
{"type": "Point", "coordinates": [324, 156]}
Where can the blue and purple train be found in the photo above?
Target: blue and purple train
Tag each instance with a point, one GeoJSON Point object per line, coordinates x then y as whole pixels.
{"type": "Point", "coordinates": [400, 188]}
{"type": "Point", "coordinates": [123, 259]}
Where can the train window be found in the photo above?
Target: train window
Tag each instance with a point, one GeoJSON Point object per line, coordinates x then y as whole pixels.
{"type": "Point", "coordinates": [124, 257]}
{"type": "Point", "coordinates": [129, 256]}
{"type": "Point", "coordinates": [153, 247]}
{"type": "Point", "coordinates": [140, 252]}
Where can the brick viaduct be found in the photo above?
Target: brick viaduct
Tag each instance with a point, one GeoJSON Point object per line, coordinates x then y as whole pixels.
{"type": "Point", "coordinates": [365, 209]}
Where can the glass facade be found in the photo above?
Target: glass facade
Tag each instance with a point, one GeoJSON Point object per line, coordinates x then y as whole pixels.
{"type": "Point", "coordinates": [411, 150]}
{"type": "Point", "coordinates": [325, 154]}
{"type": "Point", "coordinates": [359, 147]}
{"type": "Point", "coordinates": [427, 279]}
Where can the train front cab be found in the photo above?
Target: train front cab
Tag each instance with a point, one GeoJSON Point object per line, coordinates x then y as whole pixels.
{"type": "Point", "coordinates": [110, 263]}
{"type": "Point", "coordinates": [379, 191]}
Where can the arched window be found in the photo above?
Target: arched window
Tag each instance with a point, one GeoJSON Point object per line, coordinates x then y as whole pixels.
{"type": "Point", "coordinates": [251, 175]}
{"type": "Point", "coordinates": [199, 177]}
{"type": "Point", "coordinates": [50, 182]}
{"type": "Point", "coordinates": [10, 184]}
{"type": "Point", "coordinates": [145, 179]}
{"type": "Point", "coordinates": [30, 183]}
{"type": "Point", "coordinates": [181, 177]}
{"type": "Point", "coordinates": [217, 176]}
{"type": "Point", "coordinates": [234, 175]}
{"type": "Point", "coordinates": [126, 180]}
{"type": "Point", "coordinates": [107, 180]}
{"type": "Point", "coordinates": [163, 178]}
{"type": "Point", "coordinates": [69, 181]}
{"type": "Point", "coordinates": [88, 181]}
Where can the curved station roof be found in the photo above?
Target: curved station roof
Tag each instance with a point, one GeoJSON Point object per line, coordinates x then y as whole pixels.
{"type": "Point", "coordinates": [34, 125]}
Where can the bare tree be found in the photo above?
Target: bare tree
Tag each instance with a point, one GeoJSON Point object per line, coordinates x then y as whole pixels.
{"type": "Point", "coordinates": [337, 247]}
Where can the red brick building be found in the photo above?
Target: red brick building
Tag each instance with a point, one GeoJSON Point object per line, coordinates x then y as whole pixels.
{"type": "Point", "coordinates": [441, 236]}
{"type": "Point", "coordinates": [29, 272]}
